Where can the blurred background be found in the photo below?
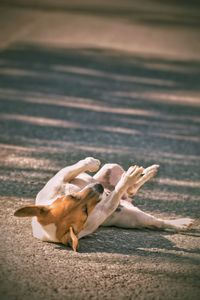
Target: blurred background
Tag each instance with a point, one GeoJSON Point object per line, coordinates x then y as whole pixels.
{"type": "Point", "coordinates": [117, 80]}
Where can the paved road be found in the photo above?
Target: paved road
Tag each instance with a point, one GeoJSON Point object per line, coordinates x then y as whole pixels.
{"type": "Point", "coordinates": [118, 81]}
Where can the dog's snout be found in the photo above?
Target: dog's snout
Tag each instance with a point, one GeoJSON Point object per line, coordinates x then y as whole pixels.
{"type": "Point", "coordinates": [99, 188]}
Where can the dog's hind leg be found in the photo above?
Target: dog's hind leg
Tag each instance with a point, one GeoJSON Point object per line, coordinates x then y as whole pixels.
{"type": "Point", "coordinates": [54, 186]}
{"type": "Point", "coordinates": [109, 175]}
{"type": "Point", "coordinates": [129, 216]}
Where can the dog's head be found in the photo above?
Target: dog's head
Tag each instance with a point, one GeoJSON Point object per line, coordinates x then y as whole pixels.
{"type": "Point", "coordinates": [68, 213]}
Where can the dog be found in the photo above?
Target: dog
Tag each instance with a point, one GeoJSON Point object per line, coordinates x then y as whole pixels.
{"type": "Point", "coordinates": [74, 204]}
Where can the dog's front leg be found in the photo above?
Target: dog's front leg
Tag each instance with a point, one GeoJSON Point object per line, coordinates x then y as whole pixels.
{"type": "Point", "coordinates": [109, 203]}
{"type": "Point", "coordinates": [146, 175]}
{"type": "Point", "coordinates": [54, 185]}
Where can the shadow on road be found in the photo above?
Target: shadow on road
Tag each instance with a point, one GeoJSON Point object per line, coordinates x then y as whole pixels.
{"type": "Point", "coordinates": [59, 105]}
{"type": "Point", "coordinates": [180, 13]}
{"type": "Point", "coordinates": [142, 243]}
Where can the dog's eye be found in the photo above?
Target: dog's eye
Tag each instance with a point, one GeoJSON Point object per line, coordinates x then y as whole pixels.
{"type": "Point", "coordinates": [85, 209]}
{"type": "Point", "coordinates": [74, 197]}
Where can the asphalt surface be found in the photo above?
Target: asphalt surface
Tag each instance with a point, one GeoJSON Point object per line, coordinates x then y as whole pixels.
{"type": "Point", "coordinates": [118, 81]}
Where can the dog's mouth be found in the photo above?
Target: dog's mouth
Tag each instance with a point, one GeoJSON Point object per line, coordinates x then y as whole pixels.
{"type": "Point", "coordinates": [92, 192]}
{"type": "Point", "coordinates": [94, 195]}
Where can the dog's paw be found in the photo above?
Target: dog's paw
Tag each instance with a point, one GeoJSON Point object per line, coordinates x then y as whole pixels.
{"type": "Point", "coordinates": [133, 174]}
{"type": "Point", "coordinates": [181, 224]}
{"type": "Point", "coordinates": [92, 164]}
{"type": "Point", "coordinates": [150, 171]}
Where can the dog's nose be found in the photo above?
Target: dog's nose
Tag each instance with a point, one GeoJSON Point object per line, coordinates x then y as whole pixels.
{"type": "Point", "coordinates": [99, 188]}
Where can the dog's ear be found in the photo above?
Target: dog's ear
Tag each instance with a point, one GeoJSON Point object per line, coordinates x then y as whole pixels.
{"type": "Point", "coordinates": [74, 239]}
{"type": "Point", "coordinates": [32, 211]}
{"type": "Point", "coordinates": [70, 238]}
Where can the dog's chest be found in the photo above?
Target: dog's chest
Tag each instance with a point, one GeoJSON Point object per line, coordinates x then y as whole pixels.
{"type": "Point", "coordinates": [45, 233]}
{"type": "Point", "coordinates": [78, 183]}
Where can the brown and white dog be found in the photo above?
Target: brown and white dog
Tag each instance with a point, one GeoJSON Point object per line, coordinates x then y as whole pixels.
{"type": "Point", "coordinates": [74, 204]}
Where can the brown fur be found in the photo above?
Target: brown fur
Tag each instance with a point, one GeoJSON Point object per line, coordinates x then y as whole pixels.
{"type": "Point", "coordinates": [68, 213]}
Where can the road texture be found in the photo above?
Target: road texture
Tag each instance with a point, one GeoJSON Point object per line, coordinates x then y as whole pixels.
{"type": "Point", "coordinates": [117, 80]}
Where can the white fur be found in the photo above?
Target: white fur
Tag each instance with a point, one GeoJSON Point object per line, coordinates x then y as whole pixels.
{"type": "Point", "coordinates": [45, 233]}
{"type": "Point", "coordinates": [120, 183]}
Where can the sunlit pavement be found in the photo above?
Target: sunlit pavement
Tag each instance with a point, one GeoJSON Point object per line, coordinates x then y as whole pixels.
{"type": "Point", "coordinates": [117, 80]}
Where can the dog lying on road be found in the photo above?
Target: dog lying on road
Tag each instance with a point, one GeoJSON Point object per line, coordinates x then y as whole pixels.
{"type": "Point", "coordinates": [74, 204]}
